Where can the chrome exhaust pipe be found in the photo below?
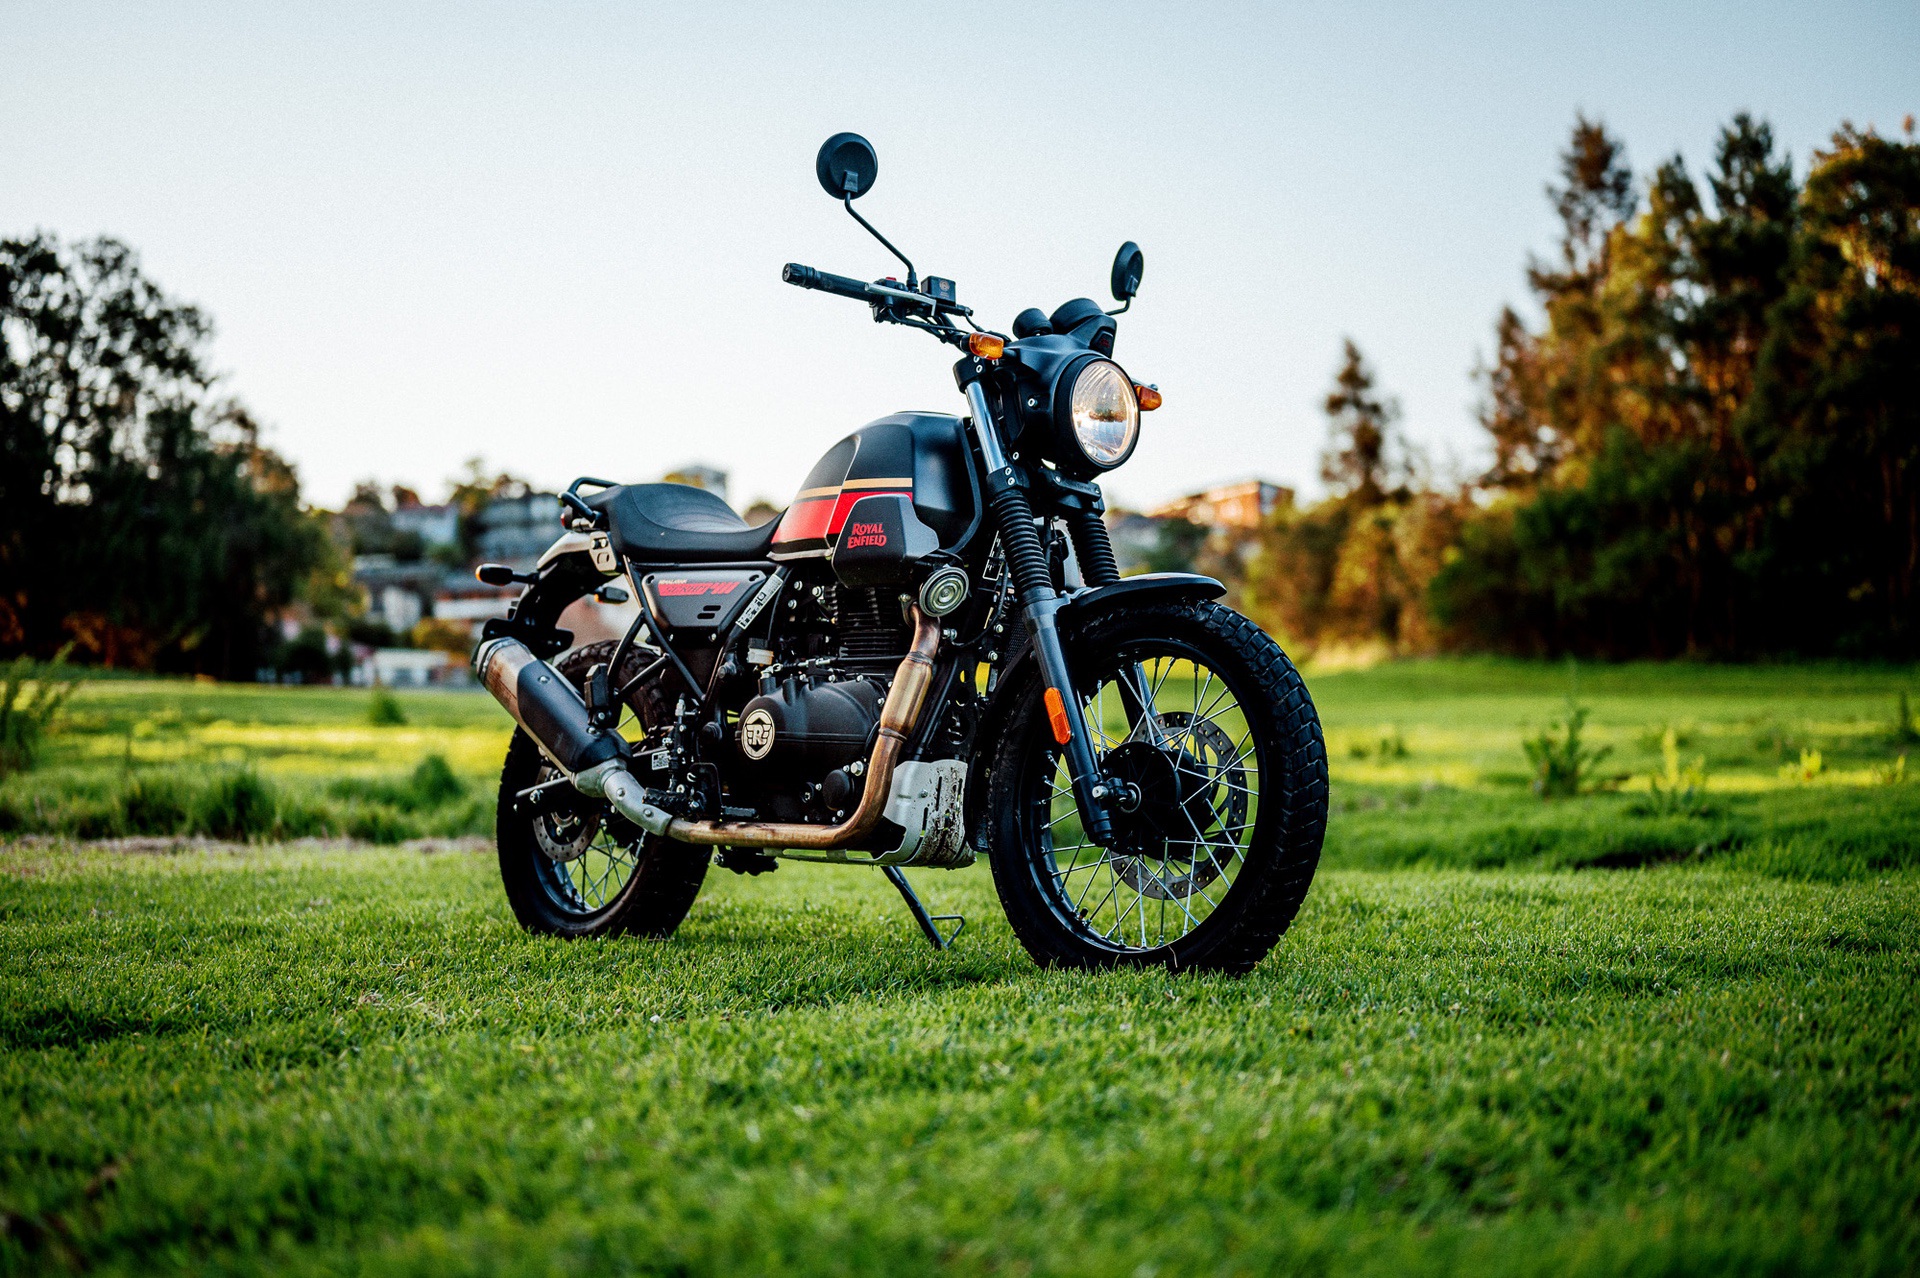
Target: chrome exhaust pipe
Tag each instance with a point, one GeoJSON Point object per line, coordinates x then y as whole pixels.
{"type": "Point", "coordinates": [545, 705]}
{"type": "Point", "coordinates": [549, 711]}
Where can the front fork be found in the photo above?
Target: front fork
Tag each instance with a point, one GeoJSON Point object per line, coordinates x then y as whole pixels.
{"type": "Point", "coordinates": [1026, 559]}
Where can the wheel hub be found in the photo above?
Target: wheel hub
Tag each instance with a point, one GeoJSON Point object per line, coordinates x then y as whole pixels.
{"type": "Point", "coordinates": [1170, 838]}
{"type": "Point", "coordinates": [563, 830]}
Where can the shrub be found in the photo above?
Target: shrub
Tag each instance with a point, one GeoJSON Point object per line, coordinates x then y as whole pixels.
{"type": "Point", "coordinates": [1563, 765]}
{"type": "Point", "coordinates": [31, 693]}
{"type": "Point", "coordinates": [433, 782]}
{"type": "Point", "coordinates": [238, 805]}
{"type": "Point", "coordinates": [384, 710]}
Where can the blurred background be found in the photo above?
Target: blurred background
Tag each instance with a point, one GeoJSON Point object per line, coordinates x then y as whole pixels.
{"type": "Point", "coordinates": [1501, 329]}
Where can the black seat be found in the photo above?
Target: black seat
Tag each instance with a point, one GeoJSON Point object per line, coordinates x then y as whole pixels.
{"type": "Point", "coordinates": [678, 524]}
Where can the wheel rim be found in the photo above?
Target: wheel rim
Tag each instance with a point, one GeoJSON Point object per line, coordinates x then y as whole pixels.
{"type": "Point", "coordinates": [1191, 773]}
{"type": "Point", "coordinates": [582, 864]}
{"type": "Point", "coordinates": [584, 855]}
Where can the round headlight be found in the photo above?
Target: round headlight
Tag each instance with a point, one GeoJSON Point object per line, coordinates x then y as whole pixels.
{"type": "Point", "coordinates": [1103, 414]}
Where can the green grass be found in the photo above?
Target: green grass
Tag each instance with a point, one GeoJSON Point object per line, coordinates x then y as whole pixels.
{"type": "Point", "coordinates": [1506, 1035]}
{"type": "Point", "coordinates": [319, 1061]}
{"type": "Point", "coordinates": [170, 758]}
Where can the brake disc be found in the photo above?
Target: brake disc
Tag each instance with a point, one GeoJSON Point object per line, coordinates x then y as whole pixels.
{"type": "Point", "coordinates": [1197, 834]}
{"type": "Point", "coordinates": [565, 831]}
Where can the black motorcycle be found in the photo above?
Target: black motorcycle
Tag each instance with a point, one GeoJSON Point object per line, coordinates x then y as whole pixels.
{"type": "Point", "coordinates": [930, 655]}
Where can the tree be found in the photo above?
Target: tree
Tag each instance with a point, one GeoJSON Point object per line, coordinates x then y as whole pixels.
{"type": "Point", "coordinates": [1365, 458]}
{"type": "Point", "coordinates": [138, 515]}
{"type": "Point", "coordinates": [1709, 445]}
{"type": "Point", "coordinates": [1352, 569]}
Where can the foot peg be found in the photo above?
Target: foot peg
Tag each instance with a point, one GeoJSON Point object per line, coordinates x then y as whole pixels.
{"type": "Point", "coordinates": [928, 922]}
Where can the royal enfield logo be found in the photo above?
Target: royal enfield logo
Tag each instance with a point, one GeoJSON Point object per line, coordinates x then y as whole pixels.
{"type": "Point", "coordinates": [874, 534]}
{"type": "Point", "coordinates": [756, 733]}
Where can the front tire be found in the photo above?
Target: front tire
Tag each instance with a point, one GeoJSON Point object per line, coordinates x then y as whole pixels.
{"type": "Point", "coordinates": [575, 869]}
{"type": "Point", "coordinates": [1227, 782]}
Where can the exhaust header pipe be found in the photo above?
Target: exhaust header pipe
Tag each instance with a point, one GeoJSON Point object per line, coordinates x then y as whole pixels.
{"type": "Point", "coordinates": [543, 703]}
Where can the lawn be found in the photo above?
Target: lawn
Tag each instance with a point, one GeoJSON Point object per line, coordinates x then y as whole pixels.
{"type": "Point", "coordinates": [1505, 1036]}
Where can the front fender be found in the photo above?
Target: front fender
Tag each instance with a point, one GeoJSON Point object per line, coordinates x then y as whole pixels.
{"type": "Point", "coordinates": [1019, 668]}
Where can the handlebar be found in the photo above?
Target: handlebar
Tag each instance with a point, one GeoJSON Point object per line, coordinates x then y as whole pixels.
{"type": "Point", "coordinates": [806, 277]}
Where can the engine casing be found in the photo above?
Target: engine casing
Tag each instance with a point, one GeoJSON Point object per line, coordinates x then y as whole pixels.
{"type": "Point", "coordinates": [801, 731]}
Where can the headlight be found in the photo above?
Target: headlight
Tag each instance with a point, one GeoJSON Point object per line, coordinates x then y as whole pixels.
{"type": "Point", "coordinates": [1103, 416]}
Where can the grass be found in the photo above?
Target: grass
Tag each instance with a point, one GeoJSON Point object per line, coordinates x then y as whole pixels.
{"type": "Point", "coordinates": [326, 1060]}
{"type": "Point", "coordinates": [1590, 1035]}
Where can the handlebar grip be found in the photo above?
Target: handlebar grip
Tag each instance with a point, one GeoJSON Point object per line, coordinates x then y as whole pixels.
{"type": "Point", "coordinates": [806, 277]}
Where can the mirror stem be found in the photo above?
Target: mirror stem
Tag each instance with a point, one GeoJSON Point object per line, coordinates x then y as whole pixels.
{"type": "Point", "coordinates": [913, 281]}
{"type": "Point", "coordinates": [1122, 308]}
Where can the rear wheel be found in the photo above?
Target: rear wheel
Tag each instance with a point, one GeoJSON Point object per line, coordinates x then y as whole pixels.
{"type": "Point", "coordinates": [1207, 731]}
{"type": "Point", "coordinates": [573, 867]}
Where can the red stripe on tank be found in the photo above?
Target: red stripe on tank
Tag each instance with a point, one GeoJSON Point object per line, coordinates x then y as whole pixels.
{"type": "Point", "coordinates": [821, 518]}
{"type": "Point", "coordinates": [805, 520]}
{"type": "Point", "coordinates": [845, 504]}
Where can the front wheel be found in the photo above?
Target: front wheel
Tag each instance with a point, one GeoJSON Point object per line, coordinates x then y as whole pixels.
{"type": "Point", "coordinates": [1206, 731]}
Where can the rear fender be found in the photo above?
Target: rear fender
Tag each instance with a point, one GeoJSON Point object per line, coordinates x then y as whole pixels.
{"type": "Point", "coordinates": [565, 574]}
{"type": "Point", "coordinates": [1019, 670]}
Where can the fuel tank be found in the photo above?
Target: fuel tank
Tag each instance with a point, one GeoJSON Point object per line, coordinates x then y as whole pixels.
{"type": "Point", "coordinates": [920, 456]}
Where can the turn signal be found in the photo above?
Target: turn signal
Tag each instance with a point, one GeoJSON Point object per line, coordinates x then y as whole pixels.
{"type": "Point", "coordinates": [986, 345]}
{"type": "Point", "coordinates": [1149, 397]}
{"type": "Point", "coordinates": [1057, 716]}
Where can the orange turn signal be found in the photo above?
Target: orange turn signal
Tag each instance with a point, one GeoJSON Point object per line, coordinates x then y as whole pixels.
{"type": "Point", "coordinates": [1057, 715]}
{"type": "Point", "coordinates": [1149, 397]}
{"type": "Point", "coordinates": [986, 345]}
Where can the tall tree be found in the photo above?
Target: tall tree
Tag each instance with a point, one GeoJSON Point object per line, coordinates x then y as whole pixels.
{"type": "Point", "coordinates": [137, 515]}
{"type": "Point", "coordinates": [1366, 458]}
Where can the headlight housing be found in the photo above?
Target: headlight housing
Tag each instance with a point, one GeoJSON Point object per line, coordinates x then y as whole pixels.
{"type": "Point", "coordinates": [1097, 416]}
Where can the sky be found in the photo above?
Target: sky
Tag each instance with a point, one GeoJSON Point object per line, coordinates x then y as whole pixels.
{"type": "Point", "coordinates": [551, 235]}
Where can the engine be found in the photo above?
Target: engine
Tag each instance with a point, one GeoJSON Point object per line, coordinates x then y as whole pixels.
{"type": "Point", "coordinates": [800, 746]}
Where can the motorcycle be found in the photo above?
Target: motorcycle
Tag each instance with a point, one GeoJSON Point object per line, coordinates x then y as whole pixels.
{"type": "Point", "coordinates": [928, 657]}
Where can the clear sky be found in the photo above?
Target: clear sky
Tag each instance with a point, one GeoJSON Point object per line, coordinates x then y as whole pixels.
{"type": "Point", "coordinates": [552, 234]}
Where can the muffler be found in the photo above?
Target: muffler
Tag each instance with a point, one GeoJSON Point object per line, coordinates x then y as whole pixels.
{"type": "Point", "coordinates": [548, 709]}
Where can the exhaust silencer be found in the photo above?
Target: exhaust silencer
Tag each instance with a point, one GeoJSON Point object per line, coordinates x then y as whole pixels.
{"type": "Point", "coordinates": [546, 706]}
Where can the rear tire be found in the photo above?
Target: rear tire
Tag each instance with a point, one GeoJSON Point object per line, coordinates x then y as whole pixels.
{"type": "Point", "coordinates": [645, 883]}
{"type": "Point", "coordinates": [1250, 786]}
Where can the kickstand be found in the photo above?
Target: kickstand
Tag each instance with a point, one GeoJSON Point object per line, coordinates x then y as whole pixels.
{"type": "Point", "coordinates": [925, 920]}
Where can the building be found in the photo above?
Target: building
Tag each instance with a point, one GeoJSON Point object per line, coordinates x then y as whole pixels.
{"type": "Point", "coordinates": [408, 668]}
{"type": "Point", "coordinates": [515, 530]}
{"type": "Point", "coordinates": [1242, 506]}
{"type": "Point", "coordinates": [435, 526]}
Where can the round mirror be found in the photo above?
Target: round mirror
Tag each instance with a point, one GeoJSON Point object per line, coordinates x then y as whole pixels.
{"type": "Point", "coordinates": [1129, 264]}
{"type": "Point", "coordinates": [847, 166]}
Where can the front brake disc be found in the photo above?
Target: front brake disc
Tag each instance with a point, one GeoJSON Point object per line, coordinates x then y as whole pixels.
{"type": "Point", "coordinates": [1205, 819]}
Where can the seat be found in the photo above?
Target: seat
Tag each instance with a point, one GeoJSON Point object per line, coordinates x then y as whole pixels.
{"type": "Point", "coordinates": [678, 524]}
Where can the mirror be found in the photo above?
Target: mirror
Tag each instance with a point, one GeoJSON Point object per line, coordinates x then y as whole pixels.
{"type": "Point", "coordinates": [1129, 264]}
{"type": "Point", "coordinates": [847, 166]}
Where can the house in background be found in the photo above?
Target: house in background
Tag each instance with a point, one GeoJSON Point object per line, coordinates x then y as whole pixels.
{"type": "Point", "coordinates": [436, 526]}
{"type": "Point", "coordinates": [1244, 505]}
{"type": "Point", "coordinates": [1227, 518]}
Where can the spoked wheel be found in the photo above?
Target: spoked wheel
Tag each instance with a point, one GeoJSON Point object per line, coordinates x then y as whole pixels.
{"type": "Point", "coordinates": [572, 866]}
{"type": "Point", "coordinates": [1206, 732]}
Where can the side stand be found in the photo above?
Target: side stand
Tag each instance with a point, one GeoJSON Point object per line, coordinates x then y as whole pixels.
{"type": "Point", "coordinates": [926, 921]}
